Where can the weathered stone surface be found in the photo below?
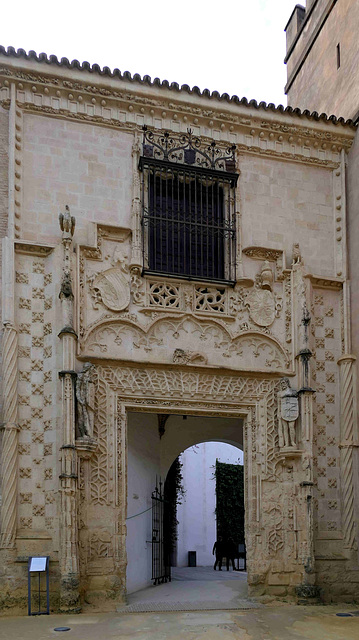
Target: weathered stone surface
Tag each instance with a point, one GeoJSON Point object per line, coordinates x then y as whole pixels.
{"type": "Point", "coordinates": [162, 345]}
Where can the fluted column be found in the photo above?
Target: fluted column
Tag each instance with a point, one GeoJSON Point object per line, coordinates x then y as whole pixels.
{"type": "Point", "coordinates": [348, 444]}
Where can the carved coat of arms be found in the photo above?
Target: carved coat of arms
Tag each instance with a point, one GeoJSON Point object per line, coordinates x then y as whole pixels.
{"type": "Point", "coordinates": [261, 306]}
{"type": "Point", "coordinates": [114, 289]}
{"type": "Point", "coordinates": [289, 408]}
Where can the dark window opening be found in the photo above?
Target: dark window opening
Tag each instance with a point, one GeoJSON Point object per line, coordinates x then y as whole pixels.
{"type": "Point", "coordinates": [338, 55]}
{"type": "Point", "coordinates": [186, 233]}
{"type": "Point", "coordinates": [188, 223]}
{"type": "Point", "coordinates": [188, 208]}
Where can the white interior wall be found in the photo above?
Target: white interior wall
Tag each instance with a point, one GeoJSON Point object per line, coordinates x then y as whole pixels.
{"type": "Point", "coordinates": [196, 514]}
{"type": "Point", "coordinates": [149, 456]}
{"type": "Point", "coordinates": [143, 465]}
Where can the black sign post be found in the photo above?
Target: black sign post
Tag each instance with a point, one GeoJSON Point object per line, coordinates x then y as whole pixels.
{"type": "Point", "coordinates": [38, 565]}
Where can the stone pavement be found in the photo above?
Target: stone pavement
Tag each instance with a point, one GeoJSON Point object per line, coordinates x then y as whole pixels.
{"type": "Point", "coordinates": [194, 588]}
{"type": "Point", "coordinates": [286, 622]}
{"type": "Point", "coordinates": [221, 611]}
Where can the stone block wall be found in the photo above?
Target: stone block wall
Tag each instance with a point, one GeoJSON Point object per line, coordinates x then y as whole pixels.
{"type": "Point", "coordinates": [283, 203]}
{"type": "Point", "coordinates": [316, 83]}
{"type": "Point", "coordinates": [80, 165]}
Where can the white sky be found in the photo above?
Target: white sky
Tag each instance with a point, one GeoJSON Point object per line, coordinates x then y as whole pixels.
{"type": "Point", "coordinates": [233, 46]}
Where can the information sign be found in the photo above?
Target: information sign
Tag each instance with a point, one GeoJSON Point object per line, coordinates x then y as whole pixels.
{"type": "Point", "coordinates": [38, 564]}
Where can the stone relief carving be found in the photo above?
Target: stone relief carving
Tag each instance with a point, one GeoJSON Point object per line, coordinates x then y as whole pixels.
{"type": "Point", "coordinates": [137, 285]}
{"type": "Point", "coordinates": [251, 349]}
{"type": "Point", "coordinates": [111, 287]}
{"type": "Point", "coordinates": [275, 533]}
{"type": "Point", "coordinates": [100, 545]}
{"type": "Point", "coordinates": [164, 295]}
{"type": "Point", "coordinates": [143, 315]}
{"type": "Point", "coordinates": [99, 489]}
{"type": "Point", "coordinates": [189, 357]}
{"type": "Point", "coordinates": [210, 299]}
{"type": "Point", "coordinates": [171, 389]}
{"type": "Point", "coordinates": [296, 254]}
{"type": "Point", "coordinates": [85, 400]}
{"type": "Point", "coordinates": [262, 304]}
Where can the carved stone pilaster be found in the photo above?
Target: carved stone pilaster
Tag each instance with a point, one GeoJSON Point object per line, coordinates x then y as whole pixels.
{"type": "Point", "coordinates": [136, 258]}
{"type": "Point", "coordinates": [9, 457]}
{"type": "Point", "coordinates": [69, 554]}
{"type": "Point", "coordinates": [348, 442]}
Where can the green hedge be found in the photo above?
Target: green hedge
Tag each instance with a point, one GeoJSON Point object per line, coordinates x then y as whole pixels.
{"type": "Point", "coordinates": [230, 501]}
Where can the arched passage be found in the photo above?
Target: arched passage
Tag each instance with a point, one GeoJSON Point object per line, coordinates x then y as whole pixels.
{"type": "Point", "coordinates": [196, 513]}
{"type": "Point", "coordinates": [153, 444]}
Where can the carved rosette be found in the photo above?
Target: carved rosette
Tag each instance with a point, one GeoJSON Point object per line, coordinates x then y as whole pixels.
{"type": "Point", "coordinates": [9, 458]}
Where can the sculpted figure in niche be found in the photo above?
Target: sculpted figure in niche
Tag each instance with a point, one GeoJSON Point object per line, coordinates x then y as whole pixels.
{"type": "Point", "coordinates": [289, 411]}
{"type": "Point", "coordinates": [296, 255]}
{"type": "Point", "coordinates": [85, 395]}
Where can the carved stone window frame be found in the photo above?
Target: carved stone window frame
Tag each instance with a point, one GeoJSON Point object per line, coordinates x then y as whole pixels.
{"type": "Point", "coordinates": [166, 163]}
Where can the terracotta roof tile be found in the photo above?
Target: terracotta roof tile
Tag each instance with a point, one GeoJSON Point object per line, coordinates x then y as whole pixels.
{"type": "Point", "coordinates": [43, 58]}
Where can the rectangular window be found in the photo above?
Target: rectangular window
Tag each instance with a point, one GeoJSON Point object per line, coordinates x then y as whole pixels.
{"type": "Point", "coordinates": [188, 220]}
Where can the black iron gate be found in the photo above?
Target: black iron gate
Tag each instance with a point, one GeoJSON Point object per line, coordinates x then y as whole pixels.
{"type": "Point", "coordinates": [161, 570]}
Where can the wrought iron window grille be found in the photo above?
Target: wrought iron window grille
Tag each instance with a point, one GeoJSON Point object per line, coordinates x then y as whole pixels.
{"type": "Point", "coordinates": [188, 207]}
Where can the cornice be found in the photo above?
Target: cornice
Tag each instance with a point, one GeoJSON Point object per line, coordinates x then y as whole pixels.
{"type": "Point", "coordinates": [56, 67]}
{"type": "Point", "coordinates": [261, 129]}
{"type": "Point", "coordinates": [33, 248]}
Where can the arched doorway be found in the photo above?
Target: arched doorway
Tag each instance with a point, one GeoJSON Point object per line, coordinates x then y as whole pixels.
{"type": "Point", "coordinates": [154, 441]}
{"type": "Point", "coordinates": [197, 515]}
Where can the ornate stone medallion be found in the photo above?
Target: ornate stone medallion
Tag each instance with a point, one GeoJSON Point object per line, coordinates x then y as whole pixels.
{"type": "Point", "coordinates": [261, 305]}
{"type": "Point", "coordinates": [114, 289]}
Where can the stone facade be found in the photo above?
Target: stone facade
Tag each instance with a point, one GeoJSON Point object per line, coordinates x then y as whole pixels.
{"type": "Point", "coordinates": [76, 293]}
{"type": "Point", "coordinates": [323, 57]}
{"type": "Point", "coordinates": [322, 69]}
